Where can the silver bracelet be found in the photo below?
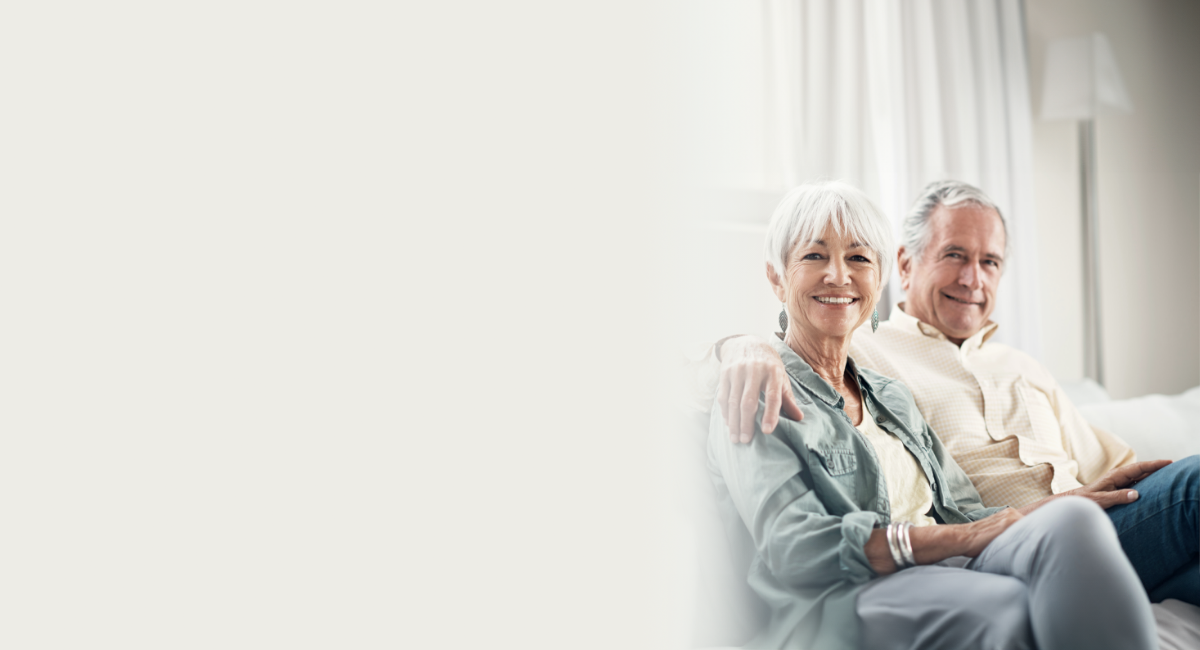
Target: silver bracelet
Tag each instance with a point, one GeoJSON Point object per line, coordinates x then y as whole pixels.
{"type": "Point", "coordinates": [894, 545]}
{"type": "Point", "coordinates": [906, 548]}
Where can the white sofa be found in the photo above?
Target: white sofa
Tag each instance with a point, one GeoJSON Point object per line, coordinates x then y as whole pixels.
{"type": "Point", "coordinates": [1156, 426]}
{"type": "Point", "coordinates": [724, 613]}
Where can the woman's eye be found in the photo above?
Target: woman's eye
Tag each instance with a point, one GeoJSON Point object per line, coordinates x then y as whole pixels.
{"type": "Point", "coordinates": [813, 256]}
{"type": "Point", "coordinates": [859, 258]}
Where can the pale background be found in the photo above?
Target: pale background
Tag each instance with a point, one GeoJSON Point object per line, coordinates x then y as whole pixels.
{"type": "Point", "coordinates": [1149, 198]}
{"type": "Point", "coordinates": [332, 324]}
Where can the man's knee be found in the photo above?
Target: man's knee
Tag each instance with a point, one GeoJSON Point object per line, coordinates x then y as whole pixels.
{"type": "Point", "coordinates": [1184, 478]}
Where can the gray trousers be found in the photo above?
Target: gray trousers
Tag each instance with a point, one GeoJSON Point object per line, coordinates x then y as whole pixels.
{"type": "Point", "coordinates": [1055, 580]}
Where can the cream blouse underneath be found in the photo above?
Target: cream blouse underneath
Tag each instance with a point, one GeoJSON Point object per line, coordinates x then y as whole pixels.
{"type": "Point", "coordinates": [908, 490]}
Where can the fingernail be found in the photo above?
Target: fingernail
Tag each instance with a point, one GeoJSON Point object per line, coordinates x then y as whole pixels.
{"type": "Point", "coordinates": [1133, 495]}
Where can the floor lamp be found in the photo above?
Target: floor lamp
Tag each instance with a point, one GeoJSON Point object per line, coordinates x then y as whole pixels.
{"type": "Point", "coordinates": [1081, 83]}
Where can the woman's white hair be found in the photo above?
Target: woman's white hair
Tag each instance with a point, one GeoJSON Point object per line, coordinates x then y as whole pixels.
{"type": "Point", "coordinates": [917, 233]}
{"type": "Point", "coordinates": [806, 211]}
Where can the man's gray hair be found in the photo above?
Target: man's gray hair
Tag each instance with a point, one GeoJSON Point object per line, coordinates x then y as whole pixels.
{"type": "Point", "coordinates": [806, 211]}
{"type": "Point", "coordinates": [917, 233]}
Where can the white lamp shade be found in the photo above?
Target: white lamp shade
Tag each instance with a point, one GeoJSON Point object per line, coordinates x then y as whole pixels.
{"type": "Point", "coordinates": [1082, 80]}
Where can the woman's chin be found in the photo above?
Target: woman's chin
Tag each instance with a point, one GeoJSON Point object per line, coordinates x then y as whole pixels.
{"type": "Point", "coordinates": [831, 328]}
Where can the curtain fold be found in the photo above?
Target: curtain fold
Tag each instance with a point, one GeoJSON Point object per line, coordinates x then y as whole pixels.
{"type": "Point", "coordinates": [893, 95]}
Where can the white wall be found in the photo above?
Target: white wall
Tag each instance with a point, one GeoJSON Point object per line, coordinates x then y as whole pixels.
{"type": "Point", "coordinates": [1149, 197]}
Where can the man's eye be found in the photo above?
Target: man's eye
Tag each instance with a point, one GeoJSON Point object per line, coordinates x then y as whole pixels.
{"type": "Point", "coordinates": [992, 262]}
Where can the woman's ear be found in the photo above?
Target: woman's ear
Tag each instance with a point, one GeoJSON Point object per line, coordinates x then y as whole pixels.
{"type": "Point", "coordinates": [776, 283]}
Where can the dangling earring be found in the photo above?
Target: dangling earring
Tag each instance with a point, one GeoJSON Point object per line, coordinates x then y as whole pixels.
{"type": "Point", "coordinates": [783, 318]}
{"type": "Point", "coordinates": [874, 320]}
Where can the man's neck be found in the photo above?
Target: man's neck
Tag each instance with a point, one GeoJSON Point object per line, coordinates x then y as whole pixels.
{"type": "Point", "coordinates": [957, 342]}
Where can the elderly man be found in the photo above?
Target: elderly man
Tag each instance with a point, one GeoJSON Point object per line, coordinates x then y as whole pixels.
{"type": "Point", "coordinates": [998, 411]}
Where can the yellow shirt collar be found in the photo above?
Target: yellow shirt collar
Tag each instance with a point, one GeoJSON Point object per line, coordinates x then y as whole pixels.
{"type": "Point", "coordinates": [901, 318]}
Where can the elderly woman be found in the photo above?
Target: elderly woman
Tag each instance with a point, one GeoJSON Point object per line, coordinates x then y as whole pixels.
{"type": "Point", "coordinates": [865, 531]}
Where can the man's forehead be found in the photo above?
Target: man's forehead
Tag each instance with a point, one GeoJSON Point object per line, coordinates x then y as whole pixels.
{"type": "Point", "coordinates": [964, 226]}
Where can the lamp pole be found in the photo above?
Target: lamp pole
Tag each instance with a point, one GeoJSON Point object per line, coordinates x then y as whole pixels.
{"type": "Point", "coordinates": [1093, 339]}
{"type": "Point", "coordinates": [1081, 81]}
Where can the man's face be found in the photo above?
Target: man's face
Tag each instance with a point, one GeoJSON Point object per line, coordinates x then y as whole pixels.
{"type": "Point", "coordinates": [953, 284]}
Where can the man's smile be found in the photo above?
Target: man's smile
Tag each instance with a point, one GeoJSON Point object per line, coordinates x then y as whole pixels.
{"type": "Point", "coordinates": [960, 300]}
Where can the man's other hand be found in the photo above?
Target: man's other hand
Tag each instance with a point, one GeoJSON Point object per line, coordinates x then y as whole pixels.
{"type": "Point", "coordinates": [1112, 488]}
{"type": "Point", "coordinates": [750, 366]}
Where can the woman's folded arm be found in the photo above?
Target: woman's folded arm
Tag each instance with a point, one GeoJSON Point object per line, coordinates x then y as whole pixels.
{"type": "Point", "coordinates": [800, 541]}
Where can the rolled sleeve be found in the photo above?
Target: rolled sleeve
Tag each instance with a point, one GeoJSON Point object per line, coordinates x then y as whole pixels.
{"type": "Point", "coordinates": [856, 531]}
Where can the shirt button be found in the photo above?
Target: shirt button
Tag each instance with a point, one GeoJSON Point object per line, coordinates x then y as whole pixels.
{"type": "Point", "coordinates": [881, 419]}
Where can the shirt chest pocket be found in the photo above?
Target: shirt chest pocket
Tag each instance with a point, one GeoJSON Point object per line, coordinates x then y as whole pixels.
{"type": "Point", "coordinates": [837, 461]}
{"type": "Point", "coordinates": [1043, 420]}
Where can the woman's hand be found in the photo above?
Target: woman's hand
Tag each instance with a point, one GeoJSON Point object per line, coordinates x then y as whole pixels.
{"type": "Point", "coordinates": [749, 367]}
{"type": "Point", "coordinates": [975, 536]}
{"type": "Point", "coordinates": [932, 544]}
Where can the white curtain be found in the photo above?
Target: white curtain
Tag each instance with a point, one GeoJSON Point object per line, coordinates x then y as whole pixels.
{"type": "Point", "coordinates": [891, 95]}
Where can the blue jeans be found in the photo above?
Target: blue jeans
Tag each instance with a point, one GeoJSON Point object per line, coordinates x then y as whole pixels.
{"type": "Point", "coordinates": [1160, 532]}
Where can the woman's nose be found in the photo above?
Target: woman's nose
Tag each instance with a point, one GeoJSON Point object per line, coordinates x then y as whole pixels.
{"type": "Point", "coordinates": [837, 273]}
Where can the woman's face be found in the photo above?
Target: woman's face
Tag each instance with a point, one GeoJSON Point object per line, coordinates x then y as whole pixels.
{"type": "Point", "coordinates": [830, 286]}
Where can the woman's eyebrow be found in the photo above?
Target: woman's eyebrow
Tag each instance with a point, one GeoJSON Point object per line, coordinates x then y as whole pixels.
{"type": "Point", "coordinates": [821, 242]}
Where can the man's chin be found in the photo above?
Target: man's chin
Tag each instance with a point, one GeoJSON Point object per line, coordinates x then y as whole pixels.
{"type": "Point", "coordinates": [960, 328]}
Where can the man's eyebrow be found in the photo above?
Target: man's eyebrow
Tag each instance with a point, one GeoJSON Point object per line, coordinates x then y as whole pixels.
{"type": "Point", "coordinates": [953, 248]}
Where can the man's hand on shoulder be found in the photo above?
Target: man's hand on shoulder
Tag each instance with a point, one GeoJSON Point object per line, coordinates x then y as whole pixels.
{"type": "Point", "coordinates": [750, 366]}
{"type": "Point", "coordinates": [1112, 488]}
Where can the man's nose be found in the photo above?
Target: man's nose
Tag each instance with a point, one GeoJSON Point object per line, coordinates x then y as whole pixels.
{"type": "Point", "coordinates": [971, 276]}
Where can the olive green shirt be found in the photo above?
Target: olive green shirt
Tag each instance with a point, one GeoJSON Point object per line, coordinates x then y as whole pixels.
{"type": "Point", "coordinates": [801, 503]}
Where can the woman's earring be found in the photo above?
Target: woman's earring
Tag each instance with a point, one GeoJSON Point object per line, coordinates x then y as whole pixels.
{"type": "Point", "coordinates": [874, 321]}
{"type": "Point", "coordinates": [783, 318]}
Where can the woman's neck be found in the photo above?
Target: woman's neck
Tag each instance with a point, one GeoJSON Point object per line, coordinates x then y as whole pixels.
{"type": "Point", "coordinates": [827, 356]}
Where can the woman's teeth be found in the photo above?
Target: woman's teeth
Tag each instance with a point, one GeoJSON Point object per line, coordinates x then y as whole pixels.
{"type": "Point", "coordinates": [835, 301]}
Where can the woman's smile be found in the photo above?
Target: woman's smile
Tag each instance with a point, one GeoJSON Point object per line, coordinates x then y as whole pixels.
{"type": "Point", "coordinates": [836, 301]}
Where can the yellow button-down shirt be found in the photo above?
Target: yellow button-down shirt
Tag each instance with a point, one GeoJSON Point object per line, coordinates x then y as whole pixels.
{"type": "Point", "coordinates": [999, 412]}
